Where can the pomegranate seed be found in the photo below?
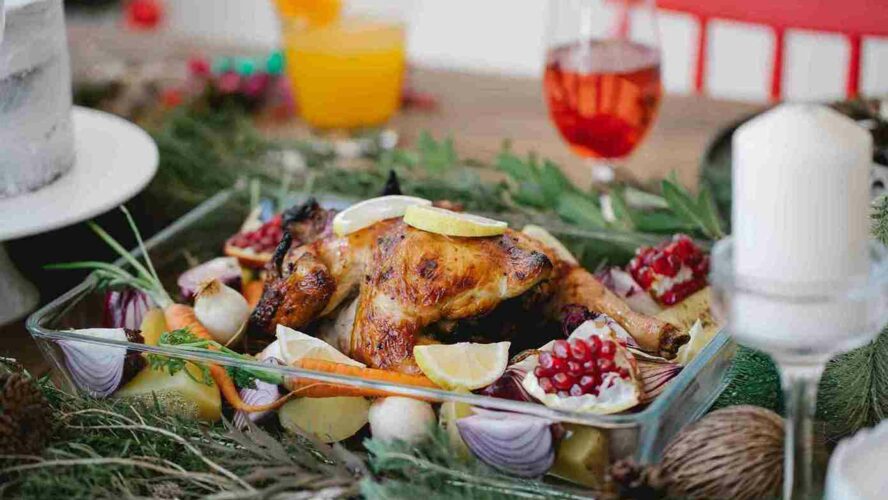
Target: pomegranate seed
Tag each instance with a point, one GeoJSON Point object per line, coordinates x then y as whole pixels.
{"type": "Point", "coordinates": [561, 349]}
{"type": "Point", "coordinates": [588, 382]}
{"type": "Point", "coordinates": [563, 394]}
{"type": "Point", "coordinates": [574, 369]}
{"type": "Point", "coordinates": [546, 385]}
{"type": "Point", "coordinates": [594, 346]}
{"type": "Point", "coordinates": [663, 266]}
{"type": "Point", "coordinates": [576, 390]}
{"type": "Point", "coordinates": [579, 350]}
{"type": "Point", "coordinates": [591, 367]}
{"type": "Point", "coordinates": [546, 360]}
{"type": "Point", "coordinates": [606, 365]}
{"type": "Point", "coordinates": [624, 373]}
{"type": "Point", "coordinates": [562, 381]}
{"type": "Point", "coordinates": [541, 372]}
{"type": "Point", "coordinates": [558, 365]}
{"type": "Point", "coordinates": [645, 277]}
{"type": "Point", "coordinates": [608, 349]}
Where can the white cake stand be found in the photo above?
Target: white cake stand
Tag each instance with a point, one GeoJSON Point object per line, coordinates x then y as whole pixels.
{"type": "Point", "coordinates": [114, 161]}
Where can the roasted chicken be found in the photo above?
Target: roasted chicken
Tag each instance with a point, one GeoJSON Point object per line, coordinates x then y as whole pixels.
{"type": "Point", "coordinates": [381, 290]}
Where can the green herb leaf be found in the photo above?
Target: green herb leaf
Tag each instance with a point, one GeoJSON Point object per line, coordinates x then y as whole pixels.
{"type": "Point", "coordinates": [625, 216]}
{"type": "Point", "coordinates": [576, 208]}
{"type": "Point", "coordinates": [699, 212]}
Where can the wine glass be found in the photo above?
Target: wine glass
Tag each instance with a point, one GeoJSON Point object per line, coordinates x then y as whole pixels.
{"type": "Point", "coordinates": [801, 326]}
{"type": "Point", "coordinates": [602, 77]}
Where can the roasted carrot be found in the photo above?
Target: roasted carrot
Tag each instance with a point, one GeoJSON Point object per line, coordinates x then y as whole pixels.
{"type": "Point", "coordinates": [181, 316]}
{"type": "Point", "coordinates": [253, 292]}
{"type": "Point", "coordinates": [304, 387]}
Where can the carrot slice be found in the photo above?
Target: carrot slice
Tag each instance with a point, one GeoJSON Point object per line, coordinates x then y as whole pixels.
{"type": "Point", "coordinates": [304, 387]}
{"type": "Point", "coordinates": [253, 292]}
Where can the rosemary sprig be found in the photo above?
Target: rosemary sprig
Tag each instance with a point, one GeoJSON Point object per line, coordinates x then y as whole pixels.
{"type": "Point", "coordinates": [111, 448]}
{"type": "Point", "coordinates": [145, 278]}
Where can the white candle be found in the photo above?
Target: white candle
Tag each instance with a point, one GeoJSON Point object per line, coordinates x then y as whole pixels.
{"type": "Point", "coordinates": [801, 218]}
{"type": "Point", "coordinates": [801, 195]}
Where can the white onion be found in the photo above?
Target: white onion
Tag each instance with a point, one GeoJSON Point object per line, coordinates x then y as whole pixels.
{"type": "Point", "coordinates": [95, 369]}
{"type": "Point", "coordinates": [223, 311]}
{"type": "Point", "coordinates": [521, 445]}
{"type": "Point", "coordinates": [401, 418]}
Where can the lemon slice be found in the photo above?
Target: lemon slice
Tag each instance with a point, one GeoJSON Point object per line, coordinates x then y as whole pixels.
{"type": "Point", "coordinates": [369, 212]}
{"type": "Point", "coordinates": [449, 223]}
{"type": "Point", "coordinates": [294, 346]}
{"type": "Point", "coordinates": [545, 237]}
{"type": "Point", "coordinates": [464, 365]}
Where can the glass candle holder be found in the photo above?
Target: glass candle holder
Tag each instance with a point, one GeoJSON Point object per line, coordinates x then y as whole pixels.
{"type": "Point", "coordinates": [801, 325]}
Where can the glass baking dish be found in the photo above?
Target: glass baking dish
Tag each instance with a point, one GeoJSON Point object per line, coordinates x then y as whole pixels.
{"type": "Point", "coordinates": [197, 236]}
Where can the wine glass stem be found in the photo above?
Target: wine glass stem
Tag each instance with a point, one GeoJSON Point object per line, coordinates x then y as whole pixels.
{"type": "Point", "coordinates": [604, 172]}
{"type": "Point", "coordinates": [800, 399]}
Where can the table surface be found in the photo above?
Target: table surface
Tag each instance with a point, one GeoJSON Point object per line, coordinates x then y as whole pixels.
{"type": "Point", "coordinates": [479, 111]}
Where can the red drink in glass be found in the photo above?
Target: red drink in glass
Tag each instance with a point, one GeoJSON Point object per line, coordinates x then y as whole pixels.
{"type": "Point", "coordinates": [603, 95]}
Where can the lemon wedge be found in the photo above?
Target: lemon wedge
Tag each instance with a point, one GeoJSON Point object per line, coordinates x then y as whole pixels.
{"type": "Point", "coordinates": [464, 365]}
{"type": "Point", "coordinates": [294, 346]}
{"type": "Point", "coordinates": [369, 212]}
{"type": "Point", "coordinates": [545, 237]}
{"type": "Point", "coordinates": [449, 223]}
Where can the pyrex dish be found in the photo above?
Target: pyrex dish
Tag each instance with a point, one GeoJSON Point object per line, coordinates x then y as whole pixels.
{"type": "Point", "coordinates": [199, 235]}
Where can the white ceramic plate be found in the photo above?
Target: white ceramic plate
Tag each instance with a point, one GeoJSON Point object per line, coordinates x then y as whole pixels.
{"type": "Point", "coordinates": [115, 160]}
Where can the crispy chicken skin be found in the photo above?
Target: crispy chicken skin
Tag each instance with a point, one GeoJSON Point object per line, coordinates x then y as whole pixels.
{"type": "Point", "coordinates": [420, 278]}
{"type": "Point", "coordinates": [416, 279]}
{"type": "Point", "coordinates": [406, 280]}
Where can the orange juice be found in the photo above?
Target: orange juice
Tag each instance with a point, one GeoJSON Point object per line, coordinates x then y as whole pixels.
{"type": "Point", "coordinates": [346, 74]}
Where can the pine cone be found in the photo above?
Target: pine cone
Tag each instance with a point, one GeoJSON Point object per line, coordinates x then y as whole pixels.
{"type": "Point", "coordinates": [25, 416]}
{"type": "Point", "coordinates": [637, 482]}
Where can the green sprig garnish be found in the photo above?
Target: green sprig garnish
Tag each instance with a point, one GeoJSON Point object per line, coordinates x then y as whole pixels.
{"type": "Point", "coordinates": [699, 212]}
{"type": "Point", "coordinates": [243, 377]}
{"type": "Point", "coordinates": [145, 278]}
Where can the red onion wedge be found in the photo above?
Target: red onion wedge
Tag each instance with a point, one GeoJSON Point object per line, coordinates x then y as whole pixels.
{"type": "Point", "coordinates": [655, 374]}
{"type": "Point", "coordinates": [225, 269]}
{"type": "Point", "coordinates": [508, 386]}
{"type": "Point", "coordinates": [263, 393]}
{"type": "Point", "coordinates": [621, 283]}
{"type": "Point", "coordinates": [521, 445]}
{"type": "Point", "coordinates": [96, 369]}
{"type": "Point", "coordinates": [125, 308]}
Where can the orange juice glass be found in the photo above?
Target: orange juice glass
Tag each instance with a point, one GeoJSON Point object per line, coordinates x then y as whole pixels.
{"type": "Point", "coordinates": [346, 73]}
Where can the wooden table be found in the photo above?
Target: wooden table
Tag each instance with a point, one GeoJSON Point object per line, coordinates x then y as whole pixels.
{"type": "Point", "coordinates": [479, 111]}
